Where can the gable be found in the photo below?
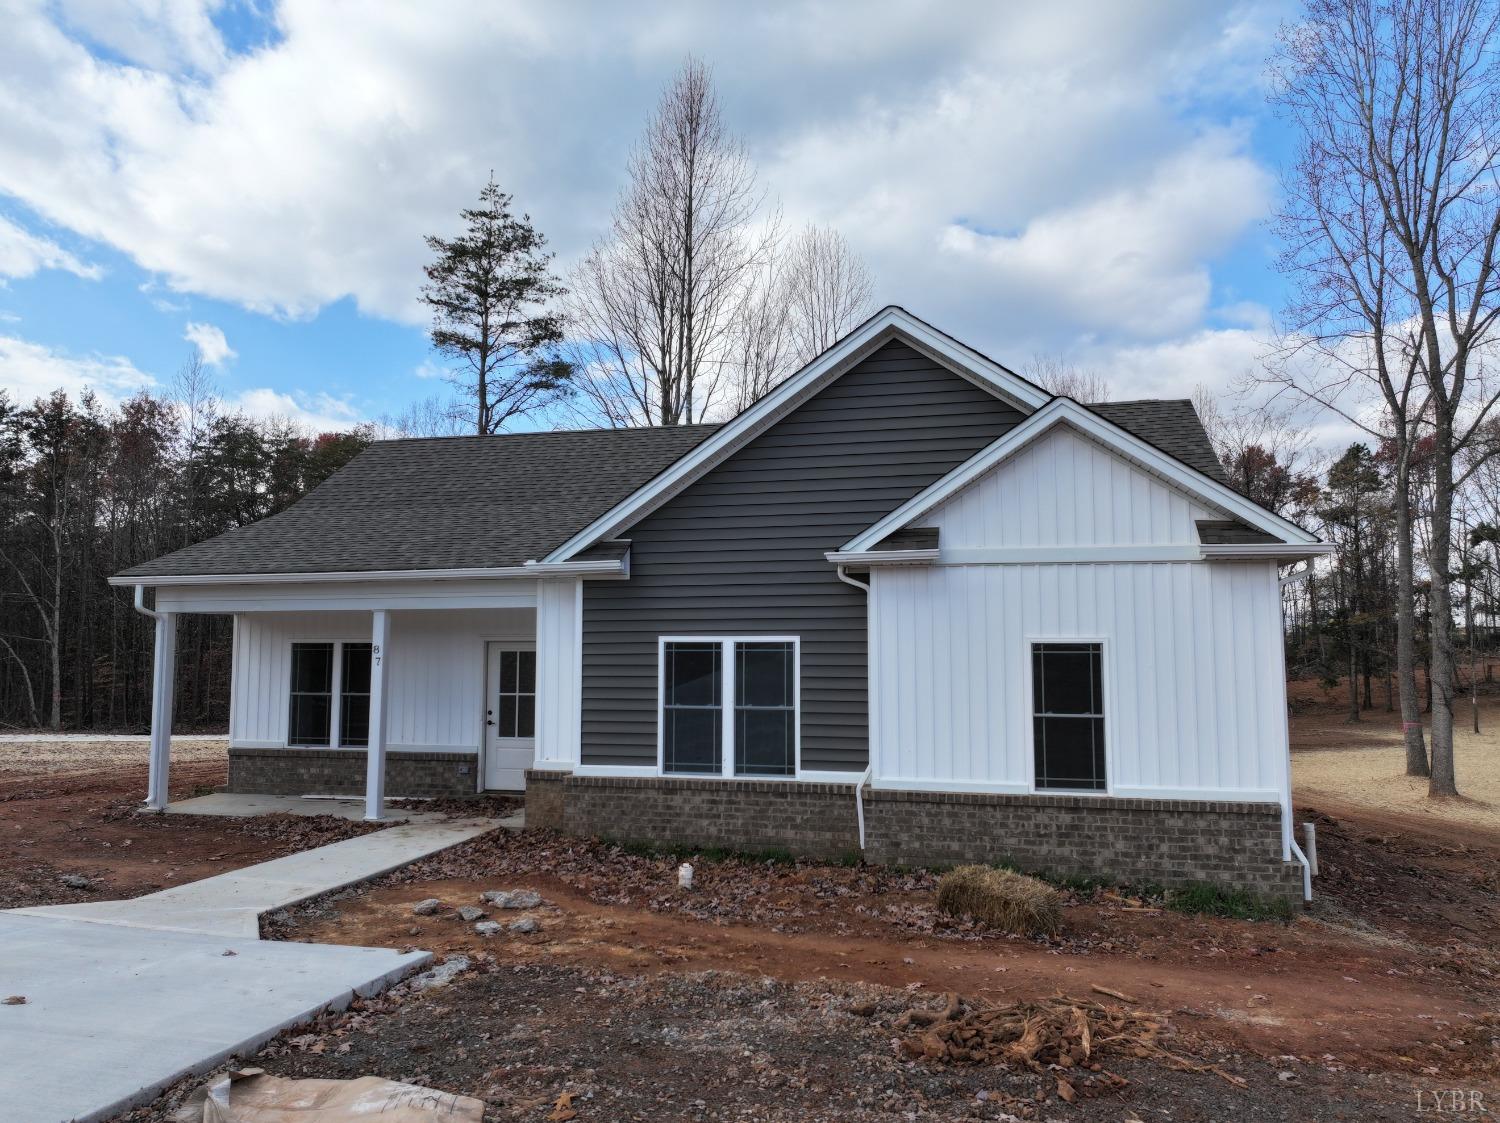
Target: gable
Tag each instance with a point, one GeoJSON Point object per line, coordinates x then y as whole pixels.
{"type": "Point", "coordinates": [889, 325]}
{"type": "Point", "coordinates": [1066, 490]}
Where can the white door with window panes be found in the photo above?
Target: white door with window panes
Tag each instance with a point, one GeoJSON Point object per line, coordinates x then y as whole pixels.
{"type": "Point", "coordinates": [510, 714]}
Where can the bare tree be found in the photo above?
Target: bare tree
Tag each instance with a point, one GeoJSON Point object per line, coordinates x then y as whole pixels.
{"type": "Point", "coordinates": [1392, 221]}
{"type": "Point", "coordinates": [433, 416]}
{"type": "Point", "coordinates": [654, 308]}
{"type": "Point", "coordinates": [1057, 375]}
{"type": "Point", "coordinates": [827, 291]}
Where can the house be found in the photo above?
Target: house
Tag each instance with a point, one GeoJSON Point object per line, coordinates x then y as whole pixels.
{"type": "Point", "coordinates": [908, 603]}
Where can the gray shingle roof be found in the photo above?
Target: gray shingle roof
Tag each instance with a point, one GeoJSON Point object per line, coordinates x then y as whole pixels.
{"type": "Point", "coordinates": [1220, 532]}
{"type": "Point", "coordinates": [482, 502]}
{"type": "Point", "coordinates": [444, 503]}
{"type": "Point", "coordinates": [1172, 425]}
{"type": "Point", "coordinates": [910, 538]}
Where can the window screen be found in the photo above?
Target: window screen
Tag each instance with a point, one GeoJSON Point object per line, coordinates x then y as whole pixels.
{"type": "Point", "coordinates": [765, 713]}
{"type": "Point", "coordinates": [1068, 715]}
{"type": "Point", "coordinates": [354, 695]}
{"type": "Point", "coordinates": [692, 707]}
{"type": "Point", "coordinates": [517, 702]}
{"type": "Point", "coordinates": [312, 694]}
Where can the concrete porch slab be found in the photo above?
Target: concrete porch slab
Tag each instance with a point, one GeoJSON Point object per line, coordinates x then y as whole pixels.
{"type": "Point", "coordinates": [114, 1014]}
{"type": "Point", "coordinates": [230, 905]}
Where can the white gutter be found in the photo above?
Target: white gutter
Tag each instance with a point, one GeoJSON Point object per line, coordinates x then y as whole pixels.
{"type": "Point", "coordinates": [843, 576]}
{"type": "Point", "coordinates": [842, 558]}
{"type": "Point", "coordinates": [1255, 550]}
{"type": "Point", "coordinates": [612, 568]}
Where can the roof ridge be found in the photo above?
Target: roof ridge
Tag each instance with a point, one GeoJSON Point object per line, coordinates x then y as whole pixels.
{"type": "Point", "coordinates": [694, 426]}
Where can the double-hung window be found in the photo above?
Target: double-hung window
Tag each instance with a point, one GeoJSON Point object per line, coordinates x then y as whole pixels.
{"type": "Point", "coordinates": [729, 706]}
{"type": "Point", "coordinates": [1067, 689]}
{"type": "Point", "coordinates": [330, 695]}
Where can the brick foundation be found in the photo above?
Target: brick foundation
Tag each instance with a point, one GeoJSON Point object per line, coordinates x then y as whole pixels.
{"type": "Point", "coordinates": [1170, 843]}
{"type": "Point", "coordinates": [342, 772]}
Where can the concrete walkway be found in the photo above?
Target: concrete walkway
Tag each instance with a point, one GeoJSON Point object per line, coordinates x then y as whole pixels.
{"type": "Point", "coordinates": [123, 998]}
{"type": "Point", "coordinates": [113, 1015]}
{"type": "Point", "coordinates": [231, 904]}
{"type": "Point", "coordinates": [237, 805]}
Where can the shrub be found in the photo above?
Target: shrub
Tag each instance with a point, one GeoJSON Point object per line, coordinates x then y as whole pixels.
{"type": "Point", "coordinates": [1001, 899]}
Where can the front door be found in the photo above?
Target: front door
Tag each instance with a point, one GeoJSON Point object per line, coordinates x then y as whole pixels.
{"type": "Point", "coordinates": [510, 714]}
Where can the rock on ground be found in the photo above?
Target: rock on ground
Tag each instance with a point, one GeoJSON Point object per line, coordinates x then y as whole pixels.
{"type": "Point", "coordinates": [512, 898]}
{"type": "Point", "coordinates": [427, 907]}
{"type": "Point", "coordinates": [489, 928]}
{"type": "Point", "coordinates": [471, 913]}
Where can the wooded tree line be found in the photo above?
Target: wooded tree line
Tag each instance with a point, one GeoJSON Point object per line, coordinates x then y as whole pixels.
{"type": "Point", "coordinates": [86, 491]}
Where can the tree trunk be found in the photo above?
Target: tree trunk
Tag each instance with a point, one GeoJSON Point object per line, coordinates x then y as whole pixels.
{"type": "Point", "coordinates": [1406, 631]}
{"type": "Point", "coordinates": [1353, 686]}
{"type": "Point", "coordinates": [1440, 616]}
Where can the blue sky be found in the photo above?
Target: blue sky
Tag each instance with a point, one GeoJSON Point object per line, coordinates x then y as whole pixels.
{"type": "Point", "coordinates": [1090, 181]}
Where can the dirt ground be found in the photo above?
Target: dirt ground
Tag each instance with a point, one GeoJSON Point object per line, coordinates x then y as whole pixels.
{"type": "Point", "coordinates": [776, 990]}
{"type": "Point", "coordinates": [1364, 763]}
{"type": "Point", "coordinates": [70, 807]}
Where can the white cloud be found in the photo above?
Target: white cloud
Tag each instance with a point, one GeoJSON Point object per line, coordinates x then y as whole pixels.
{"type": "Point", "coordinates": [316, 413]}
{"type": "Point", "coordinates": [210, 342]}
{"type": "Point", "coordinates": [23, 253]}
{"type": "Point", "coordinates": [30, 370]}
{"type": "Point", "coordinates": [1028, 175]}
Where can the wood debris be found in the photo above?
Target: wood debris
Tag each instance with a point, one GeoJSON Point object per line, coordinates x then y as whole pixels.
{"type": "Point", "coordinates": [1050, 1034]}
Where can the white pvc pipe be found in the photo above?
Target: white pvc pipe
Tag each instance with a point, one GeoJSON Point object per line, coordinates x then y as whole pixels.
{"type": "Point", "coordinates": [1310, 844]}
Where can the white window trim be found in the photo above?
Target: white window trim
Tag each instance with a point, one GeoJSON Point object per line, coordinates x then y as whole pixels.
{"type": "Point", "coordinates": [727, 700]}
{"type": "Point", "coordinates": [1106, 685]}
{"type": "Point", "coordinates": [335, 705]}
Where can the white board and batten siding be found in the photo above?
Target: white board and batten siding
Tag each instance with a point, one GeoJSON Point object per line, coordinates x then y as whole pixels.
{"type": "Point", "coordinates": [1194, 702]}
{"type": "Point", "coordinates": [434, 677]}
{"type": "Point", "coordinates": [559, 673]}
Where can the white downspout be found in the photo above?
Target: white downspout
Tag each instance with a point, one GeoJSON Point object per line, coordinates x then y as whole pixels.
{"type": "Point", "coordinates": [1299, 573]}
{"type": "Point", "coordinates": [869, 772]}
{"type": "Point", "coordinates": [163, 675]}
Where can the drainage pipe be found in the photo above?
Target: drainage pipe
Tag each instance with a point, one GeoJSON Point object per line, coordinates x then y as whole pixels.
{"type": "Point", "coordinates": [865, 777]}
{"type": "Point", "coordinates": [859, 802]}
{"type": "Point", "coordinates": [1306, 872]}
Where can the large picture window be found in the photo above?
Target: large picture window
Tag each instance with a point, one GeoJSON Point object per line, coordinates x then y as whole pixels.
{"type": "Point", "coordinates": [1067, 687]}
{"type": "Point", "coordinates": [729, 707]}
{"type": "Point", "coordinates": [330, 680]}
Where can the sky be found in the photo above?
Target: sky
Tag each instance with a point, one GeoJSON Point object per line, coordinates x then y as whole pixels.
{"type": "Point", "coordinates": [1086, 180]}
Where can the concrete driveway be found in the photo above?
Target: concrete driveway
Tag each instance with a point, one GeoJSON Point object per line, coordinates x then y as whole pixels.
{"type": "Point", "coordinates": [125, 997]}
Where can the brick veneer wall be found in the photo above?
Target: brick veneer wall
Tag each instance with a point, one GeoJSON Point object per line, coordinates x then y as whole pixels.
{"type": "Point", "coordinates": [342, 772]}
{"type": "Point", "coordinates": [812, 819]}
{"type": "Point", "coordinates": [1166, 842]}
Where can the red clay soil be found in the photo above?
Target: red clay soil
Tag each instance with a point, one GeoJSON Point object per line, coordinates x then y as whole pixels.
{"type": "Point", "coordinates": [86, 824]}
{"type": "Point", "coordinates": [1312, 989]}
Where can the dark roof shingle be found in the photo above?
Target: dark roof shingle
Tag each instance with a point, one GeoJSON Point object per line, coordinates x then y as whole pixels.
{"type": "Point", "coordinates": [1172, 425]}
{"type": "Point", "coordinates": [444, 503]}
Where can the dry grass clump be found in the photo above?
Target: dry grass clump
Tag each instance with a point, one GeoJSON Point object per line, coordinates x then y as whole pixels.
{"type": "Point", "coordinates": [1001, 899]}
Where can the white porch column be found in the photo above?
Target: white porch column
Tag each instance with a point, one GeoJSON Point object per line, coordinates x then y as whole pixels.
{"type": "Point", "coordinates": [380, 637]}
{"type": "Point", "coordinates": [163, 679]}
{"type": "Point", "coordinates": [559, 673]}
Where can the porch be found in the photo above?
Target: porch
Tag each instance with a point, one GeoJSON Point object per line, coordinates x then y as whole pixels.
{"type": "Point", "coordinates": [424, 687]}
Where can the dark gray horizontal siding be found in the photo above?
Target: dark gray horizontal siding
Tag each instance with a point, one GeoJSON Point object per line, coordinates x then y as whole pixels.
{"type": "Point", "coordinates": [740, 552]}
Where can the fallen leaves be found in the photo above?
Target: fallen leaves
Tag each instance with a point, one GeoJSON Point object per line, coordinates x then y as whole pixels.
{"type": "Point", "coordinates": [562, 1108]}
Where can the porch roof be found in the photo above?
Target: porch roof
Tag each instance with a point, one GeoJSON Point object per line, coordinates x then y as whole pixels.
{"type": "Point", "coordinates": [447, 503]}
